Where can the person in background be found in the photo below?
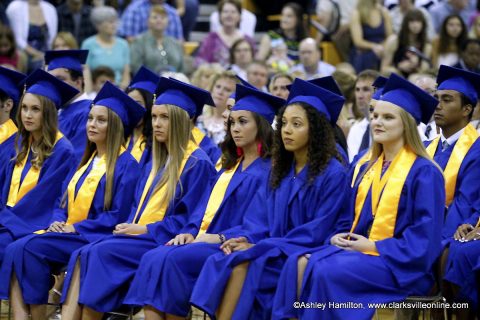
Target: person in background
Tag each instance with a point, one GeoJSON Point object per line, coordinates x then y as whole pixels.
{"type": "Point", "coordinates": [100, 75]}
{"type": "Point", "coordinates": [35, 25]}
{"type": "Point", "coordinates": [292, 31]}
{"type": "Point", "coordinates": [203, 75]}
{"type": "Point", "coordinates": [346, 82]}
{"type": "Point", "coordinates": [154, 49]}
{"type": "Point", "coordinates": [248, 22]}
{"type": "Point", "coordinates": [64, 41]}
{"type": "Point", "coordinates": [257, 75]}
{"type": "Point", "coordinates": [216, 45]}
{"type": "Point", "coordinates": [469, 56]}
{"type": "Point", "coordinates": [105, 48]}
{"type": "Point", "coordinates": [446, 47]}
{"type": "Point", "coordinates": [405, 50]}
{"type": "Point", "coordinates": [74, 17]}
{"type": "Point", "coordinates": [462, 8]}
{"type": "Point", "coordinates": [10, 56]}
{"type": "Point", "coordinates": [311, 64]}
{"type": "Point", "coordinates": [278, 85]}
{"type": "Point", "coordinates": [474, 32]}
{"type": "Point", "coordinates": [241, 55]}
{"type": "Point", "coordinates": [370, 27]}
{"type": "Point", "coordinates": [427, 83]}
{"type": "Point", "coordinates": [135, 20]}
{"type": "Point", "coordinates": [398, 13]}
{"type": "Point", "coordinates": [211, 122]}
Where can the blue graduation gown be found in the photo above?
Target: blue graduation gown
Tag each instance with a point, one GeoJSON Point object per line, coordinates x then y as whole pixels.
{"type": "Point", "coordinates": [462, 264]}
{"type": "Point", "coordinates": [211, 149]}
{"type": "Point", "coordinates": [168, 269]}
{"type": "Point", "coordinates": [299, 216]}
{"type": "Point", "coordinates": [44, 253]}
{"type": "Point", "coordinates": [34, 210]}
{"type": "Point", "coordinates": [7, 151]}
{"type": "Point", "coordinates": [464, 208]}
{"type": "Point", "coordinates": [403, 267]}
{"type": "Point", "coordinates": [72, 122]}
{"type": "Point", "coordinates": [107, 266]}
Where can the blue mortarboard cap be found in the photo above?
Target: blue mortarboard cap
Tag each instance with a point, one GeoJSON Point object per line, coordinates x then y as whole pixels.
{"type": "Point", "coordinates": [409, 97]}
{"type": "Point", "coordinates": [44, 84]}
{"type": "Point", "coordinates": [68, 59]}
{"type": "Point", "coordinates": [323, 100]}
{"type": "Point", "coordinates": [145, 79]}
{"type": "Point", "coordinates": [379, 84]}
{"type": "Point", "coordinates": [113, 98]}
{"type": "Point", "coordinates": [254, 100]}
{"type": "Point", "coordinates": [463, 81]}
{"type": "Point", "coordinates": [182, 95]}
{"type": "Point", "coordinates": [10, 83]}
{"type": "Point", "coordinates": [327, 83]}
{"type": "Point", "coordinates": [245, 82]}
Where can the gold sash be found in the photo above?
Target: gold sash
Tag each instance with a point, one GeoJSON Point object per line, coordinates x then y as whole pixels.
{"type": "Point", "coordinates": [7, 130]}
{"type": "Point", "coordinates": [155, 210]}
{"type": "Point", "coordinates": [460, 150]}
{"type": "Point", "coordinates": [17, 191]}
{"type": "Point", "coordinates": [359, 164]}
{"type": "Point", "coordinates": [386, 192]}
{"type": "Point", "coordinates": [79, 206]}
{"type": "Point", "coordinates": [216, 197]}
{"type": "Point", "coordinates": [198, 135]}
{"type": "Point", "coordinates": [138, 147]}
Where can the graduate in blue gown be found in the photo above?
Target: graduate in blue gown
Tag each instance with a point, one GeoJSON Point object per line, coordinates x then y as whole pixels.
{"type": "Point", "coordinates": [308, 189]}
{"type": "Point", "coordinates": [246, 167]}
{"type": "Point", "coordinates": [458, 92]}
{"type": "Point", "coordinates": [457, 149]}
{"type": "Point", "coordinates": [95, 199]}
{"type": "Point", "coordinates": [10, 92]}
{"type": "Point", "coordinates": [141, 89]}
{"type": "Point", "coordinates": [166, 196]}
{"type": "Point", "coordinates": [31, 178]}
{"type": "Point", "coordinates": [67, 65]}
{"type": "Point", "coordinates": [385, 250]}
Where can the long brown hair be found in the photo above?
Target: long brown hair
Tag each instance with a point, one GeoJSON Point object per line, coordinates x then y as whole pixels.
{"type": "Point", "coordinates": [264, 137]}
{"type": "Point", "coordinates": [169, 156]}
{"type": "Point", "coordinates": [115, 140]}
{"type": "Point", "coordinates": [443, 40]}
{"type": "Point", "coordinates": [49, 133]}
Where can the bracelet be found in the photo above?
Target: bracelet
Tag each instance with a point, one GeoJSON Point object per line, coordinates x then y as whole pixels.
{"type": "Point", "coordinates": [221, 237]}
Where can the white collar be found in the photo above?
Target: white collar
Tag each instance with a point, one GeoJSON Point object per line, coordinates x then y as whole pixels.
{"type": "Point", "coordinates": [453, 138]}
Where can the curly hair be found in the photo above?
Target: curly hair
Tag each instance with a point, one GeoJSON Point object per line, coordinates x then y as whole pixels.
{"type": "Point", "coordinates": [264, 136]}
{"type": "Point", "coordinates": [321, 146]}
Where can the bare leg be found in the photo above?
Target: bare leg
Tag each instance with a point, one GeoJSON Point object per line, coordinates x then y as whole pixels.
{"type": "Point", "coordinates": [232, 291]}
{"type": "Point", "coordinates": [55, 295]}
{"type": "Point", "coordinates": [302, 265]}
{"type": "Point", "coordinates": [38, 311]}
{"type": "Point", "coordinates": [71, 310]}
{"type": "Point", "coordinates": [90, 314]}
{"type": "Point", "coordinates": [153, 314]}
{"type": "Point", "coordinates": [20, 309]}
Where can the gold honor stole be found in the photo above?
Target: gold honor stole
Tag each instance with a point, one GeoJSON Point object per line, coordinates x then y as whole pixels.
{"type": "Point", "coordinates": [7, 130]}
{"type": "Point", "coordinates": [198, 135]}
{"type": "Point", "coordinates": [216, 197]}
{"type": "Point", "coordinates": [138, 147]}
{"type": "Point", "coordinates": [79, 206]}
{"type": "Point", "coordinates": [155, 209]}
{"type": "Point", "coordinates": [386, 192]}
{"type": "Point", "coordinates": [17, 191]}
{"type": "Point", "coordinates": [460, 150]}
{"type": "Point", "coordinates": [359, 164]}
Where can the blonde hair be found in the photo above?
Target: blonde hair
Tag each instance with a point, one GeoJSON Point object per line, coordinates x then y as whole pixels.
{"type": "Point", "coordinates": [169, 155]}
{"type": "Point", "coordinates": [115, 140]}
{"type": "Point", "coordinates": [49, 133]}
{"type": "Point", "coordinates": [411, 140]}
{"type": "Point", "coordinates": [229, 75]}
{"type": "Point", "coordinates": [68, 38]}
{"type": "Point", "coordinates": [212, 68]}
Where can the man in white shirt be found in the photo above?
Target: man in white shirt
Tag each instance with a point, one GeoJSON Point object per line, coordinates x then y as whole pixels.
{"type": "Point", "coordinates": [311, 64]}
{"type": "Point", "coordinates": [359, 134]}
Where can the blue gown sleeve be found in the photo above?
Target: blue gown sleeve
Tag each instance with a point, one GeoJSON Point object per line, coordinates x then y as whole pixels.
{"type": "Point", "coordinates": [34, 210]}
{"type": "Point", "coordinates": [417, 240]}
{"type": "Point", "coordinates": [194, 180]}
{"type": "Point", "coordinates": [465, 205]}
{"type": "Point", "coordinates": [125, 178]}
